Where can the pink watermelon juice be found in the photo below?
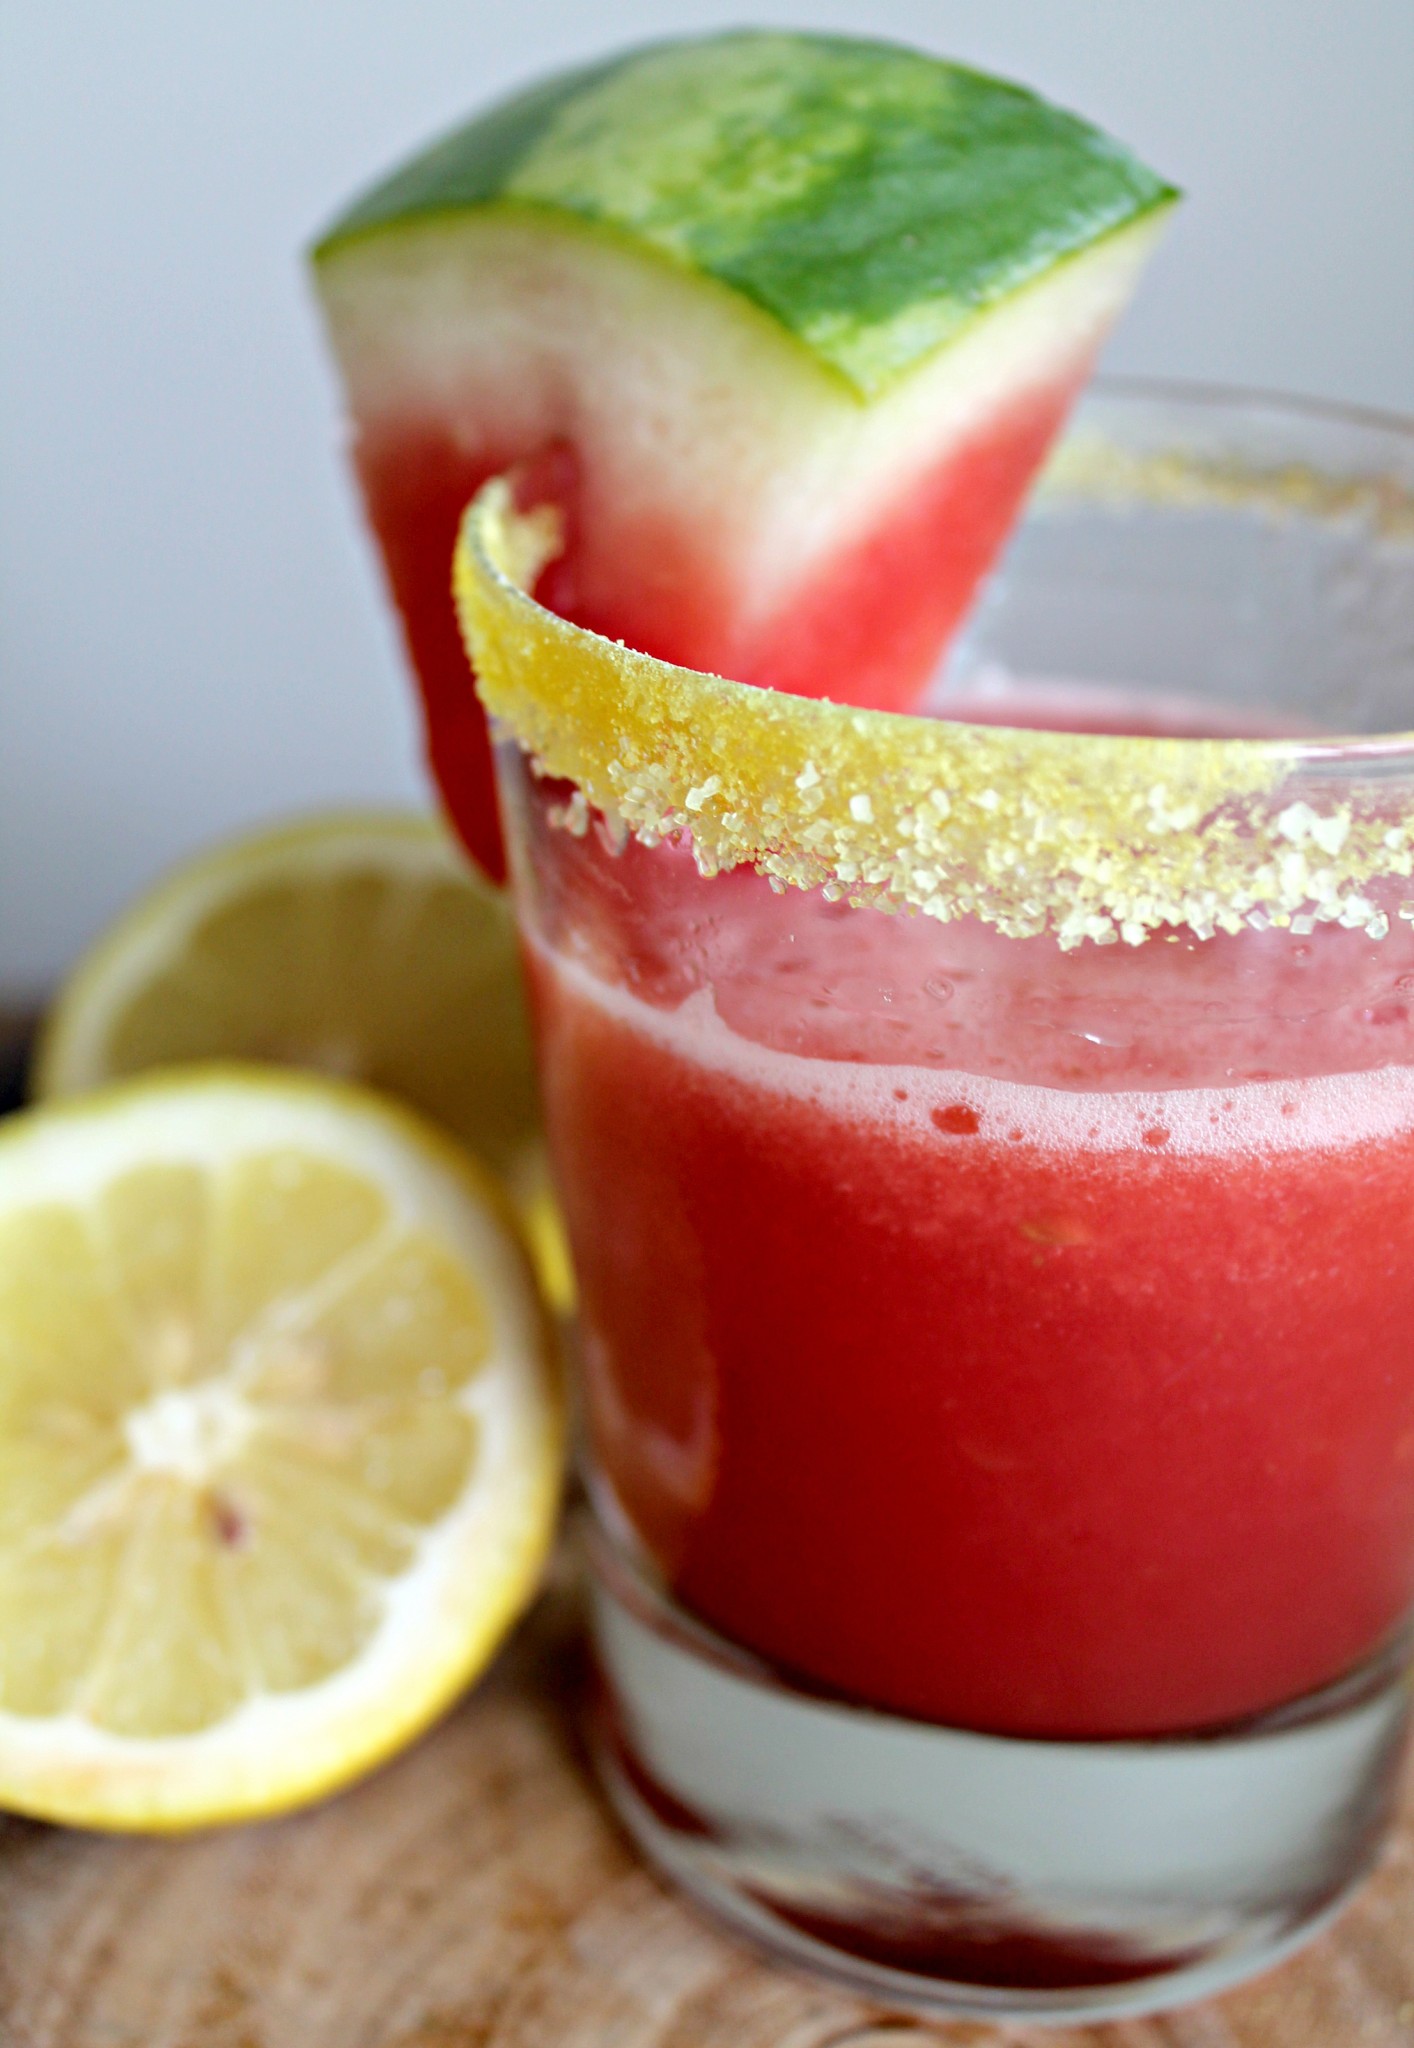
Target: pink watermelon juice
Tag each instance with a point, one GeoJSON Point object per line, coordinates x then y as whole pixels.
{"type": "Point", "coordinates": [1013, 1338]}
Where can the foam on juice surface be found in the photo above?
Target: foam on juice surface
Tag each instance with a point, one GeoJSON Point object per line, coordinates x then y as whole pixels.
{"type": "Point", "coordinates": [951, 1107]}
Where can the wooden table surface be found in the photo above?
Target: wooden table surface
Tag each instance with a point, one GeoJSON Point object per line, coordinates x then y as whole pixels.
{"type": "Point", "coordinates": [475, 1894]}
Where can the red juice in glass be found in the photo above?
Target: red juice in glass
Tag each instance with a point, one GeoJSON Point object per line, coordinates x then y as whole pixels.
{"type": "Point", "coordinates": [1031, 1366]}
{"type": "Point", "coordinates": [988, 1157]}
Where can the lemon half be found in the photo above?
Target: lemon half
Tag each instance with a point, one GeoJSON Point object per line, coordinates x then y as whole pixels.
{"type": "Point", "coordinates": [355, 943]}
{"type": "Point", "coordinates": [360, 944]}
{"type": "Point", "coordinates": [280, 1443]}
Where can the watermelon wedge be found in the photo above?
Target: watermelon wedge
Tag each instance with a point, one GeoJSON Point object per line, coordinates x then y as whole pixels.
{"type": "Point", "coordinates": [784, 323]}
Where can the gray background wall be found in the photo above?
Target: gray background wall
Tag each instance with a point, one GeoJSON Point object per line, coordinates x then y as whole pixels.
{"type": "Point", "coordinates": [191, 630]}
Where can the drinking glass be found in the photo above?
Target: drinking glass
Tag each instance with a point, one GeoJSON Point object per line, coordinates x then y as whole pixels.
{"type": "Point", "coordinates": [987, 1148]}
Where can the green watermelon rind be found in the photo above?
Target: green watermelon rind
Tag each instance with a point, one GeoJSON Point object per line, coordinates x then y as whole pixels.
{"type": "Point", "coordinates": [871, 200]}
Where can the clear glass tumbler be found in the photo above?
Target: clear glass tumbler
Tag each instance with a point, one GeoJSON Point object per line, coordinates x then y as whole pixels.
{"type": "Point", "coordinates": [987, 1148]}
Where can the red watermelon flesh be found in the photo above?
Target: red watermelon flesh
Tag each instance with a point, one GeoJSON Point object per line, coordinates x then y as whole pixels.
{"type": "Point", "coordinates": [790, 471]}
{"type": "Point", "coordinates": [867, 627]}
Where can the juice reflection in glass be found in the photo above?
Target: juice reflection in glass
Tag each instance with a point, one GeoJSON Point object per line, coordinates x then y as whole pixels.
{"type": "Point", "coordinates": [988, 1154]}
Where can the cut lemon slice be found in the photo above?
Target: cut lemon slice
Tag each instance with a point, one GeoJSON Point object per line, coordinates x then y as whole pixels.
{"type": "Point", "coordinates": [280, 1443]}
{"type": "Point", "coordinates": [360, 944]}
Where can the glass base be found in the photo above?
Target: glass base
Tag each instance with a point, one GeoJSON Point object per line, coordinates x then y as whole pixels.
{"type": "Point", "coordinates": [970, 1875]}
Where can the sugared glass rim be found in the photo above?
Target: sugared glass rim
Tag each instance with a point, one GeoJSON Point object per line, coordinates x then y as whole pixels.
{"type": "Point", "coordinates": [1086, 835]}
{"type": "Point", "coordinates": [1195, 394]}
{"type": "Point", "coordinates": [1380, 497]}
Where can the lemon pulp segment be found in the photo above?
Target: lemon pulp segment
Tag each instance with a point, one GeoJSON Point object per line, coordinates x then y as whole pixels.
{"type": "Point", "coordinates": [278, 1434]}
